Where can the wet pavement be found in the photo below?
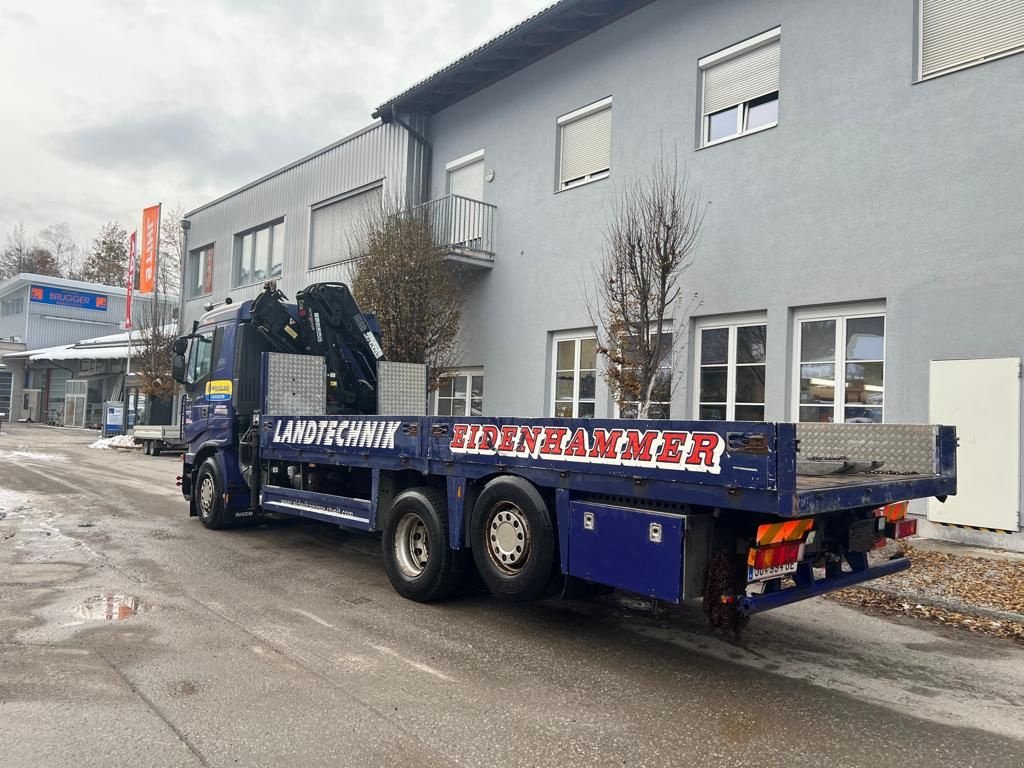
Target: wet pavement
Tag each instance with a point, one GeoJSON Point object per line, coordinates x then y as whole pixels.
{"type": "Point", "coordinates": [130, 635]}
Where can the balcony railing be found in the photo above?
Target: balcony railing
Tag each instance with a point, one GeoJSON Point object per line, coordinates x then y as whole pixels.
{"type": "Point", "coordinates": [462, 226]}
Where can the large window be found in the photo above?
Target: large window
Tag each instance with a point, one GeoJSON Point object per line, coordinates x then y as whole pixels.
{"type": "Point", "coordinates": [259, 254]}
{"type": "Point", "coordinates": [585, 144]}
{"type": "Point", "coordinates": [661, 393]}
{"type": "Point", "coordinates": [740, 88]}
{"type": "Point", "coordinates": [575, 376]}
{"type": "Point", "coordinates": [336, 226]}
{"type": "Point", "coordinates": [961, 33]}
{"type": "Point", "coordinates": [731, 366]}
{"type": "Point", "coordinates": [13, 306]}
{"type": "Point", "coordinates": [199, 272]}
{"type": "Point", "coordinates": [461, 394]}
{"type": "Point", "coordinates": [840, 366]}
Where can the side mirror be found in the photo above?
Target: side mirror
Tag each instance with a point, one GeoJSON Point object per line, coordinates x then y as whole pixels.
{"type": "Point", "coordinates": [180, 345]}
{"type": "Point", "coordinates": [178, 365]}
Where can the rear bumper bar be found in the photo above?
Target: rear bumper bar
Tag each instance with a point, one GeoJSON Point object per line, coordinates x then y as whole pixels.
{"type": "Point", "coordinates": [751, 604]}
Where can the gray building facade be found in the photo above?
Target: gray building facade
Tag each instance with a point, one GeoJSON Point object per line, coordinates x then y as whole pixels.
{"type": "Point", "coordinates": [40, 314]}
{"type": "Point", "coordinates": [861, 250]}
{"type": "Point", "coordinates": [296, 224]}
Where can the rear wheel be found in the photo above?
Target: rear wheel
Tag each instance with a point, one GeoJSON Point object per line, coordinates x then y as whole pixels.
{"type": "Point", "coordinates": [156, 447]}
{"type": "Point", "coordinates": [417, 557]}
{"type": "Point", "coordinates": [513, 539]}
{"type": "Point", "coordinates": [209, 496]}
{"type": "Point", "coordinates": [147, 447]}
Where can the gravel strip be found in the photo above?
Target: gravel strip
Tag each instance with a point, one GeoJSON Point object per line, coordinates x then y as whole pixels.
{"type": "Point", "coordinates": [966, 591]}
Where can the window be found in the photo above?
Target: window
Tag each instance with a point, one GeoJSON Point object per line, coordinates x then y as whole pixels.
{"type": "Point", "coordinates": [259, 254]}
{"type": "Point", "coordinates": [461, 394]}
{"type": "Point", "coordinates": [841, 367]}
{"type": "Point", "coordinates": [336, 226]}
{"type": "Point", "coordinates": [731, 367]}
{"type": "Point", "coordinates": [585, 144]}
{"type": "Point", "coordinates": [199, 273]}
{"type": "Point", "coordinates": [200, 358]}
{"type": "Point", "coordinates": [661, 394]}
{"type": "Point", "coordinates": [740, 88]}
{"type": "Point", "coordinates": [466, 176]}
{"type": "Point", "coordinates": [575, 377]}
{"type": "Point", "coordinates": [6, 387]}
{"type": "Point", "coordinates": [962, 33]}
{"type": "Point", "coordinates": [13, 306]}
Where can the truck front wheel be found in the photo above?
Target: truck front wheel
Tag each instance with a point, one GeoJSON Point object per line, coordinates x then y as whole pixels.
{"type": "Point", "coordinates": [208, 496]}
{"type": "Point", "coordinates": [513, 540]}
{"type": "Point", "coordinates": [419, 562]}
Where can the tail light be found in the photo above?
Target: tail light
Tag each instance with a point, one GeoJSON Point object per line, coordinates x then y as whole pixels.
{"type": "Point", "coordinates": [901, 529]}
{"type": "Point", "coordinates": [777, 554]}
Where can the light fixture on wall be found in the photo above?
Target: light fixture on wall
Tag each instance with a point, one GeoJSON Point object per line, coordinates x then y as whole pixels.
{"type": "Point", "coordinates": [489, 175]}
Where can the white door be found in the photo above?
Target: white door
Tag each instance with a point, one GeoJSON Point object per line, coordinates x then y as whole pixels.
{"type": "Point", "coordinates": [981, 398]}
{"type": "Point", "coordinates": [467, 182]}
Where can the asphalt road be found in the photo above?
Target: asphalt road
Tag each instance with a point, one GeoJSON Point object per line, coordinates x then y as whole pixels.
{"type": "Point", "coordinates": [285, 646]}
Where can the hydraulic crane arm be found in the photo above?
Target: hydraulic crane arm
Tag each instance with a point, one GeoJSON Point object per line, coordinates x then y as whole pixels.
{"type": "Point", "coordinates": [329, 324]}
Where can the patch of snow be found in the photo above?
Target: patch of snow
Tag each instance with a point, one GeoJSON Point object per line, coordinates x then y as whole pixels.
{"type": "Point", "coordinates": [24, 455]}
{"type": "Point", "coordinates": [117, 441]}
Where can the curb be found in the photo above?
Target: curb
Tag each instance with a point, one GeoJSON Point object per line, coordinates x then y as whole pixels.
{"type": "Point", "coordinates": [949, 605]}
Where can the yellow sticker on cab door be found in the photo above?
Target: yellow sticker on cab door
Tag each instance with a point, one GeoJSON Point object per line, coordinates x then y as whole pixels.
{"type": "Point", "coordinates": [219, 390]}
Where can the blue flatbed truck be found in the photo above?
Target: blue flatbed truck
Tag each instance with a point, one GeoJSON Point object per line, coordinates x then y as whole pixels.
{"type": "Point", "coordinates": [291, 410]}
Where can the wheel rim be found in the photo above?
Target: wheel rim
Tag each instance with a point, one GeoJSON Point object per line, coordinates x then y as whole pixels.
{"type": "Point", "coordinates": [508, 538]}
{"type": "Point", "coordinates": [206, 496]}
{"type": "Point", "coordinates": [412, 546]}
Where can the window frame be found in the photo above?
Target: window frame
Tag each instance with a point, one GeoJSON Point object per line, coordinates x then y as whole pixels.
{"type": "Point", "coordinates": [469, 374]}
{"type": "Point", "coordinates": [326, 203]}
{"type": "Point", "coordinates": [921, 77]}
{"type": "Point", "coordinates": [732, 324]}
{"type": "Point", "coordinates": [199, 257]}
{"type": "Point", "coordinates": [667, 329]}
{"type": "Point", "coordinates": [238, 240]}
{"type": "Point", "coordinates": [743, 108]}
{"type": "Point", "coordinates": [572, 117]}
{"type": "Point", "coordinates": [577, 337]}
{"type": "Point", "coordinates": [843, 313]}
{"type": "Point", "coordinates": [12, 307]}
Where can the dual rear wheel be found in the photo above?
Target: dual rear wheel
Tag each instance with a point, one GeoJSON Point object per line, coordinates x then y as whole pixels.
{"type": "Point", "coordinates": [512, 538]}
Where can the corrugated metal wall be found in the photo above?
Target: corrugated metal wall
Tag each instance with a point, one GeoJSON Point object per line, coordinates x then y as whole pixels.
{"type": "Point", "coordinates": [377, 154]}
{"type": "Point", "coordinates": [50, 325]}
{"type": "Point", "coordinates": [13, 326]}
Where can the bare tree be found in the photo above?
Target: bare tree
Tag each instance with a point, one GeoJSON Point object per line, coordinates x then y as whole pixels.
{"type": "Point", "coordinates": [57, 239]}
{"type": "Point", "coordinates": [21, 254]}
{"type": "Point", "coordinates": [650, 242]}
{"type": "Point", "coordinates": [404, 277]}
{"type": "Point", "coordinates": [153, 347]}
{"type": "Point", "coordinates": [172, 255]}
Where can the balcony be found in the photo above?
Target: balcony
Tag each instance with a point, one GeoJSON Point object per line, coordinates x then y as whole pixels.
{"type": "Point", "coordinates": [463, 227]}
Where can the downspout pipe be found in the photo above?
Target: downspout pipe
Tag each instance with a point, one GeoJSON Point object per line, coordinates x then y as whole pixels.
{"type": "Point", "coordinates": [428, 155]}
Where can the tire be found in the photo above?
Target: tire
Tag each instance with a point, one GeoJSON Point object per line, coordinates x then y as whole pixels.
{"type": "Point", "coordinates": [419, 562]}
{"type": "Point", "coordinates": [513, 539]}
{"type": "Point", "coordinates": [209, 496]}
{"type": "Point", "coordinates": [147, 447]}
{"type": "Point", "coordinates": [156, 448]}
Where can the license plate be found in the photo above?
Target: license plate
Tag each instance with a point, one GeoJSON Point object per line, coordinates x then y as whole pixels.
{"type": "Point", "coordinates": [771, 572]}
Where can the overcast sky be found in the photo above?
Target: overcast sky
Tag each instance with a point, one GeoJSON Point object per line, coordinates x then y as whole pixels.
{"type": "Point", "coordinates": [112, 105]}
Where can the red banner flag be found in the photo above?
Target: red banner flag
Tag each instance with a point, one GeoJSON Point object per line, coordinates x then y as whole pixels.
{"type": "Point", "coordinates": [150, 245]}
{"type": "Point", "coordinates": [130, 280]}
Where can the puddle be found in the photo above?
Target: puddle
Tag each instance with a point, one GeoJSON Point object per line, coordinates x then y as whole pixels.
{"type": "Point", "coordinates": [109, 607]}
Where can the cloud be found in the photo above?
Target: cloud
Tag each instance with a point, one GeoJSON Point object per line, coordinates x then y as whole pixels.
{"type": "Point", "coordinates": [109, 110]}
